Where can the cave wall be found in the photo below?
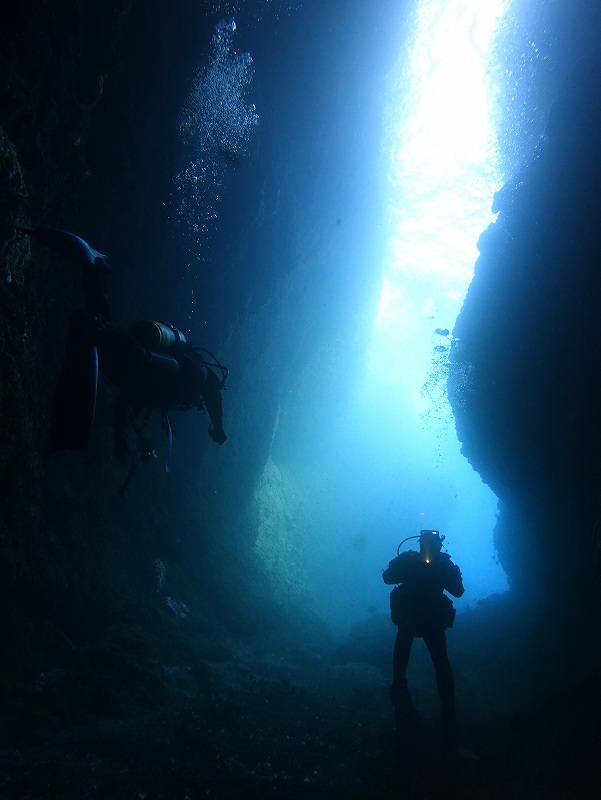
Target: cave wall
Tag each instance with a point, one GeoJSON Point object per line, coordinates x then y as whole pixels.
{"type": "Point", "coordinates": [524, 380]}
{"type": "Point", "coordinates": [96, 590]}
{"type": "Point", "coordinates": [89, 100]}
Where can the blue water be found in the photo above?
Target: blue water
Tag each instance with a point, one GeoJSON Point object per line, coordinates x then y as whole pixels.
{"type": "Point", "coordinates": [294, 120]}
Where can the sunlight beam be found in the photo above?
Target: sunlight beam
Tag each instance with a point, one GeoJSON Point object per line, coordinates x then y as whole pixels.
{"type": "Point", "coordinates": [443, 168]}
{"type": "Point", "coordinates": [442, 171]}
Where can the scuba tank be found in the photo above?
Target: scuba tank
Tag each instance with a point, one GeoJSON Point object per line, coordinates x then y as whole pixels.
{"type": "Point", "coordinates": [162, 337]}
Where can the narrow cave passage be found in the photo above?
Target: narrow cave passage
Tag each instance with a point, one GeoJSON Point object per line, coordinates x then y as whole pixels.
{"type": "Point", "coordinates": [256, 171]}
{"type": "Point", "coordinates": [385, 461]}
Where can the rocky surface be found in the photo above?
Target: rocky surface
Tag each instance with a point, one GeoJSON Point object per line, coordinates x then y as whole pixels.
{"type": "Point", "coordinates": [525, 380]}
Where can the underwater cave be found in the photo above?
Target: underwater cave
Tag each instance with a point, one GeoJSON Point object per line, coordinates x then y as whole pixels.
{"type": "Point", "coordinates": [378, 223]}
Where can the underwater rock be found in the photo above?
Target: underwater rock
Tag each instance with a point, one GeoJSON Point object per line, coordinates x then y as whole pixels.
{"type": "Point", "coordinates": [525, 386]}
{"type": "Point", "coordinates": [14, 252]}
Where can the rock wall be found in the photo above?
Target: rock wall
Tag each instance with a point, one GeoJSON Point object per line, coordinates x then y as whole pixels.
{"type": "Point", "coordinates": [525, 380]}
{"type": "Point", "coordinates": [96, 590]}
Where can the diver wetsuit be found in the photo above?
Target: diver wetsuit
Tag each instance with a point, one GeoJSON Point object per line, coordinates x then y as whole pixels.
{"type": "Point", "coordinates": [419, 608]}
{"type": "Point", "coordinates": [176, 379]}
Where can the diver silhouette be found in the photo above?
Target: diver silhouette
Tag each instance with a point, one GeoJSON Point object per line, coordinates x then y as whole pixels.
{"type": "Point", "coordinates": [151, 364]}
{"type": "Point", "coordinates": [419, 608]}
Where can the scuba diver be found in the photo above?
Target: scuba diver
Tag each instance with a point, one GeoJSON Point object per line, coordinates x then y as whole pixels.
{"type": "Point", "coordinates": [151, 364]}
{"type": "Point", "coordinates": [419, 608]}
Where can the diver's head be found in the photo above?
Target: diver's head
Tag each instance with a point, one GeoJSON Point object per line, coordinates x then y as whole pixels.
{"type": "Point", "coordinates": [430, 544]}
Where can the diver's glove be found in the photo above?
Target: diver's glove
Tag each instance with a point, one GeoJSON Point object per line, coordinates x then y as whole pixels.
{"type": "Point", "coordinates": [217, 435]}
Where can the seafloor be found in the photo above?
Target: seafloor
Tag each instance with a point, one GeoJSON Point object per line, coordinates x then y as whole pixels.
{"type": "Point", "coordinates": [248, 724]}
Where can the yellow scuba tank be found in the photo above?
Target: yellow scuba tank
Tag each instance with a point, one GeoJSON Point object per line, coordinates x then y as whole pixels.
{"type": "Point", "coordinates": [161, 337]}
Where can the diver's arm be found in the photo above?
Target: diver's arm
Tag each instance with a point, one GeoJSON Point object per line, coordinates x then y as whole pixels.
{"type": "Point", "coordinates": [387, 575]}
{"type": "Point", "coordinates": [211, 396]}
{"type": "Point", "coordinates": [400, 568]}
{"type": "Point", "coordinates": [453, 580]}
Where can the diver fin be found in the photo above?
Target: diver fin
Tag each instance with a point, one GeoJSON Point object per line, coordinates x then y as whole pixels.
{"type": "Point", "coordinates": [66, 244]}
{"type": "Point", "coordinates": [74, 400]}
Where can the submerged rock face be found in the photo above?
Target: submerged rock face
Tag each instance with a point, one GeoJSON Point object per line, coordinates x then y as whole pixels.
{"type": "Point", "coordinates": [525, 382]}
{"type": "Point", "coordinates": [64, 120]}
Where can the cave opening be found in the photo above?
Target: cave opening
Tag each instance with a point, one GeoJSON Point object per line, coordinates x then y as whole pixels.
{"type": "Point", "coordinates": [389, 463]}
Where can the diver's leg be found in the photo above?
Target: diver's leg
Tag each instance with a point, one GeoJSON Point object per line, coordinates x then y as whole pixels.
{"type": "Point", "coordinates": [94, 265]}
{"type": "Point", "coordinates": [90, 340]}
{"type": "Point", "coordinates": [436, 642]}
{"type": "Point", "coordinates": [411, 737]}
{"type": "Point", "coordinates": [399, 692]}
